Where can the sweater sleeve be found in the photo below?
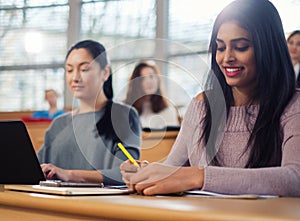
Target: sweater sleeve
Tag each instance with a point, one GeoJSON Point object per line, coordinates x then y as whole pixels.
{"type": "Point", "coordinates": [42, 153]}
{"type": "Point", "coordinates": [185, 145]}
{"type": "Point", "coordinates": [282, 181]}
{"type": "Point", "coordinates": [56, 126]}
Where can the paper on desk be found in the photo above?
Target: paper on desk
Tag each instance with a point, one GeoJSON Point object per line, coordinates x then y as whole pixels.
{"type": "Point", "coordinates": [219, 195]}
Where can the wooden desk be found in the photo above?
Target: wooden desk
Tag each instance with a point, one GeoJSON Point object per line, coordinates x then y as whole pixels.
{"type": "Point", "coordinates": [15, 115]}
{"type": "Point", "coordinates": [19, 206]}
{"type": "Point", "coordinates": [157, 145]}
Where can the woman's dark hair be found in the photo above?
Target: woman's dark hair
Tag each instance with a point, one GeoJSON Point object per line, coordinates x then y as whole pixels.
{"type": "Point", "coordinates": [135, 94]}
{"type": "Point", "coordinates": [98, 52]}
{"type": "Point", "coordinates": [274, 76]}
{"type": "Point", "coordinates": [296, 32]}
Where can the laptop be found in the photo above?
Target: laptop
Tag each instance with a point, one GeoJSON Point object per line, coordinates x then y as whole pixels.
{"type": "Point", "coordinates": [20, 169]}
{"type": "Point", "coordinates": [18, 160]}
{"type": "Point", "coordinates": [69, 191]}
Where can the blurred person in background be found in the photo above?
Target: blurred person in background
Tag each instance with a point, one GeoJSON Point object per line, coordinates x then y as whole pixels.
{"type": "Point", "coordinates": [51, 97]}
{"type": "Point", "coordinates": [145, 93]}
{"type": "Point", "coordinates": [293, 42]}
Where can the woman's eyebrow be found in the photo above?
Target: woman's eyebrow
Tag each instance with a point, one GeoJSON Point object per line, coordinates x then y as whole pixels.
{"type": "Point", "coordinates": [234, 40]}
{"type": "Point", "coordinates": [82, 63]}
{"type": "Point", "coordinates": [219, 40]}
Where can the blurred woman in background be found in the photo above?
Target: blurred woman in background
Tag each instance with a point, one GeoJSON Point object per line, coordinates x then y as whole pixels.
{"type": "Point", "coordinates": [293, 42]}
{"type": "Point", "coordinates": [146, 94]}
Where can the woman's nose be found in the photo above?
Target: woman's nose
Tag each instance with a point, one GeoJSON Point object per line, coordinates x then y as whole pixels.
{"type": "Point", "coordinates": [229, 55]}
{"type": "Point", "coordinates": [76, 76]}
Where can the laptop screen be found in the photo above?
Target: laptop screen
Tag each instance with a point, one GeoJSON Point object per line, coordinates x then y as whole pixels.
{"type": "Point", "coordinates": [18, 160]}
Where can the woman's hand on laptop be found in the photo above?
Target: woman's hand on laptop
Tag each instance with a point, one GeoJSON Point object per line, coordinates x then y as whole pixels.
{"type": "Point", "coordinates": [52, 172]}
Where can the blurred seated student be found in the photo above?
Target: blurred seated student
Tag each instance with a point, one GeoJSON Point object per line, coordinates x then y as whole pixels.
{"type": "Point", "coordinates": [82, 145]}
{"type": "Point", "coordinates": [293, 42]}
{"type": "Point", "coordinates": [145, 93]}
{"type": "Point", "coordinates": [241, 135]}
{"type": "Point", "coordinates": [51, 97]}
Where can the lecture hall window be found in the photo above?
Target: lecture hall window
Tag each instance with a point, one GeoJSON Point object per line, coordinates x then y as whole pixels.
{"type": "Point", "coordinates": [34, 38]}
{"type": "Point", "coordinates": [33, 44]}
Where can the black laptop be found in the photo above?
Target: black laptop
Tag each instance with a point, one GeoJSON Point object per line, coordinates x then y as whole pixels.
{"type": "Point", "coordinates": [19, 165]}
{"type": "Point", "coordinates": [18, 160]}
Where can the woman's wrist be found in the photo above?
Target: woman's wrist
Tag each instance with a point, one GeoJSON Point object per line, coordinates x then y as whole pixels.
{"type": "Point", "coordinates": [198, 177]}
{"type": "Point", "coordinates": [70, 175]}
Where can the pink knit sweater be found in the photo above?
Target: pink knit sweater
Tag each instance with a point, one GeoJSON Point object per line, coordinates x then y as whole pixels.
{"type": "Point", "coordinates": [233, 178]}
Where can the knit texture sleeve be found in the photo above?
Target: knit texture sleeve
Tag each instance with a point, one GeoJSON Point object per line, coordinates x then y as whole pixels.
{"type": "Point", "coordinates": [187, 138]}
{"type": "Point", "coordinates": [283, 180]}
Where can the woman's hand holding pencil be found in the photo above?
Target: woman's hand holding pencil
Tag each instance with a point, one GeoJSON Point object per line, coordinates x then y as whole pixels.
{"type": "Point", "coordinates": [127, 154]}
{"type": "Point", "coordinates": [132, 167]}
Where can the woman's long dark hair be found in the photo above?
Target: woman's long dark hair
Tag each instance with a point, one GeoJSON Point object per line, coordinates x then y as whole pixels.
{"type": "Point", "coordinates": [296, 32]}
{"type": "Point", "coordinates": [98, 52]}
{"type": "Point", "coordinates": [135, 94]}
{"type": "Point", "coordinates": [275, 81]}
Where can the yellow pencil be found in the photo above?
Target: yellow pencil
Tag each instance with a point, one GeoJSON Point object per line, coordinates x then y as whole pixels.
{"type": "Point", "coordinates": [127, 154]}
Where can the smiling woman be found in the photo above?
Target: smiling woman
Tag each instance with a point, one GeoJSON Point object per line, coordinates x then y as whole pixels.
{"type": "Point", "coordinates": [235, 57]}
{"type": "Point", "coordinates": [241, 135]}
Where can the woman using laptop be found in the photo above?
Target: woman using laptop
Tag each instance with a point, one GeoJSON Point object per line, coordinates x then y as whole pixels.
{"type": "Point", "coordinates": [81, 145]}
{"type": "Point", "coordinates": [242, 134]}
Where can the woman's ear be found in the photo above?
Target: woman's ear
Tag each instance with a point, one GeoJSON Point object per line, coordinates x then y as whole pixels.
{"type": "Point", "coordinates": [106, 72]}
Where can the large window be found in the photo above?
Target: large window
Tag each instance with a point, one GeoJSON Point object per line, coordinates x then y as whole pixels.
{"type": "Point", "coordinates": [33, 42]}
{"type": "Point", "coordinates": [34, 36]}
{"type": "Point", "coordinates": [126, 29]}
